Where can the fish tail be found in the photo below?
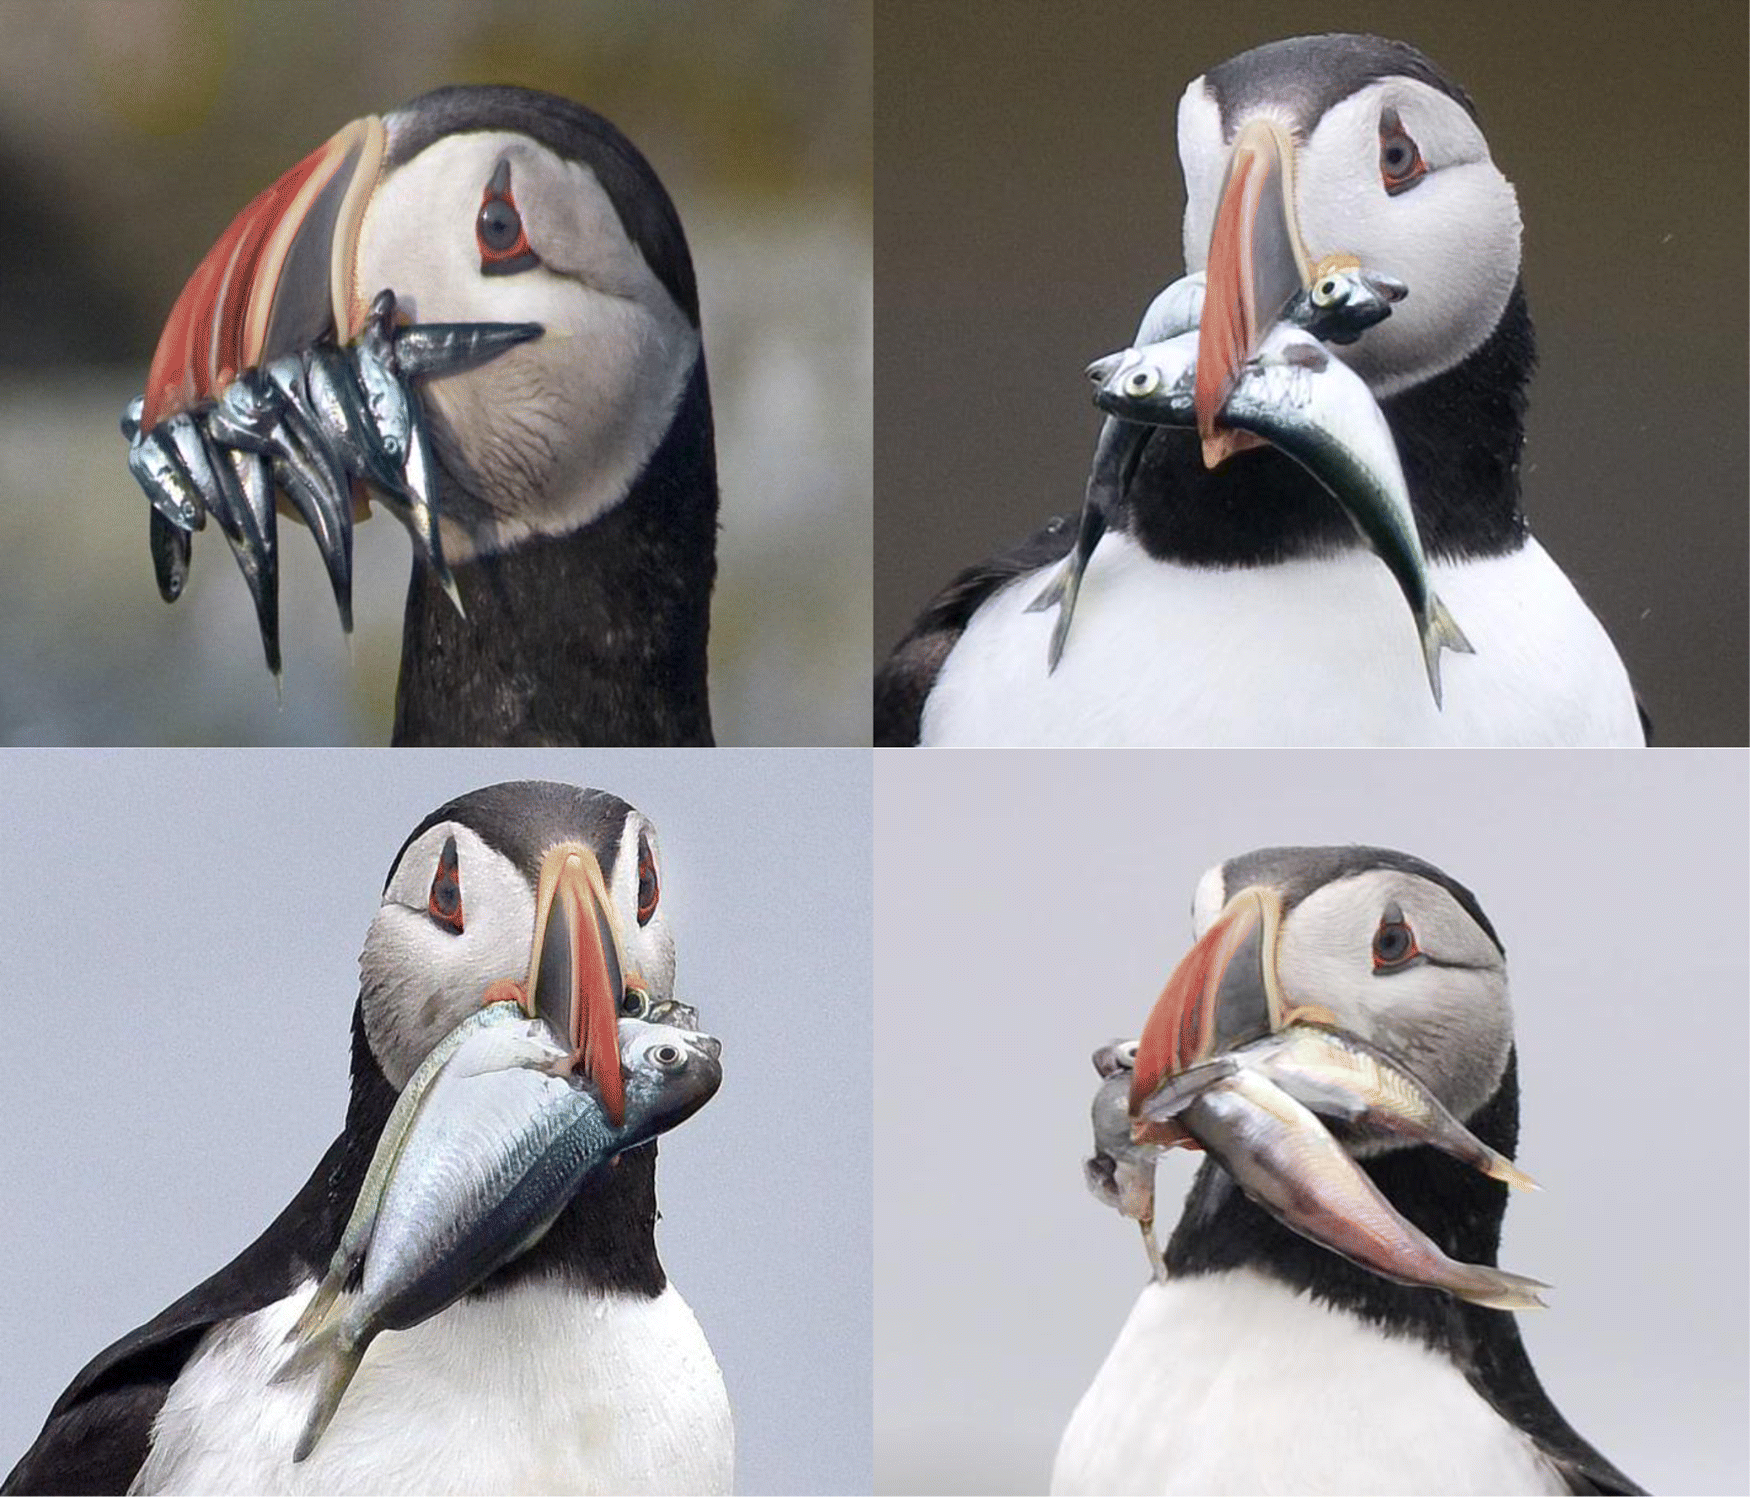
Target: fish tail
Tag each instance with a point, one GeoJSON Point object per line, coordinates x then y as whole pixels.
{"type": "Point", "coordinates": [1440, 631]}
{"type": "Point", "coordinates": [316, 1311]}
{"type": "Point", "coordinates": [333, 1354]}
{"type": "Point", "coordinates": [1500, 1167]}
{"type": "Point", "coordinates": [1059, 593]}
{"type": "Point", "coordinates": [1495, 1288]}
{"type": "Point", "coordinates": [1051, 594]}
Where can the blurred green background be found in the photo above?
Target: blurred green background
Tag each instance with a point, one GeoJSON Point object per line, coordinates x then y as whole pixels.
{"type": "Point", "coordinates": [1030, 206]}
{"type": "Point", "coordinates": [130, 134]}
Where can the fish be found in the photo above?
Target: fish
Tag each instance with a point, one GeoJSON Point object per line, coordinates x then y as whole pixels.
{"type": "Point", "coordinates": [1317, 410]}
{"type": "Point", "coordinates": [1121, 1173]}
{"type": "Point", "coordinates": [1343, 1078]}
{"type": "Point", "coordinates": [1341, 302]}
{"type": "Point", "coordinates": [502, 1140]}
{"type": "Point", "coordinates": [1282, 1157]}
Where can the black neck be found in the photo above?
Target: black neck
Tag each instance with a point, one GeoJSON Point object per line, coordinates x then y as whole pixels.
{"type": "Point", "coordinates": [605, 1240]}
{"type": "Point", "coordinates": [1458, 435]}
{"type": "Point", "coordinates": [596, 637]}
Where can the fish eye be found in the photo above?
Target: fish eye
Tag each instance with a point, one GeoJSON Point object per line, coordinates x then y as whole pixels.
{"type": "Point", "coordinates": [635, 1004]}
{"type": "Point", "coordinates": [1325, 293]}
{"type": "Point", "coordinates": [1140, 382]}
{"type": "Point", "coordinates": [1401, 165]}
{"type": "Point", "coordinates": [444, 903]}
{"type": "Point", "coordinates": [1125, 1055]}
{"type": "Point", "coordinates": [666, 1055]}
{"type": "Point", "coordinates": [1394, 943]}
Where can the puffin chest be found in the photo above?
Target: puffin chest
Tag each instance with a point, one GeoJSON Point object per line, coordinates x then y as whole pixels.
{"type": "Point", "coordinates": [540, 1388]}
{"type": "Point", "coordinates": [1234, 1382]}
{"type": "Point", "coordinates": [1317, 651]}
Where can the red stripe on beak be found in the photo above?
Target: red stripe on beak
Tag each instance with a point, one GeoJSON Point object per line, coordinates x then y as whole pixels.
{"type": "Point", "coordinates": [1223, 993]}
{"type": "Point", "coordinates": [1256, 263]}
{"type": "Point", "coordinates": [277, 278]}
{"type": "Point", "coordinates": [576, 980]}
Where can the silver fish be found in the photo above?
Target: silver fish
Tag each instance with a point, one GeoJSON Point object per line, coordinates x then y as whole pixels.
{"type": "Point", "coordinates": [1342, 302]}
{"type": "Point", "coordinates": [1122, 1173]}
{"type": "Point", "coordinates": [313, 477]}
{"type": "Point", "coordinates": [1343, 1078]}
{"type": "Point", "coordinates": [1280, 1155]}
{"type": "Point", "coordinates": [502, 1141]}
{"type": "Point", "coordinates": [1321, 413]}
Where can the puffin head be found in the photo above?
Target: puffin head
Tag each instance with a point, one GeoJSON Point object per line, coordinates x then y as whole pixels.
{"type": "Point", "coordinates": [1344, 145]}
{"type": "Point", "coordinates": [1375, 943]}
{"type": "Point", "coordinates": [530, 890]}
{"type": "Point", "coordinates": [508, 257]}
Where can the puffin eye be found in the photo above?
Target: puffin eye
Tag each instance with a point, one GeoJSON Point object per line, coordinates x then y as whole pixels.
{"type": "Point", "coordinates": [636, 1003]}
{"type": "Point", "coordinates": [649, 889]}
{"type": "Point", "coordinates": [445, 903]}
{"type": "Point", "coordinates": [498, 229]}
{"type": "Point", "coordinates": [1401, 165]}
{"type": "Point", "coordinates": [1394, 943]}
{"type": "Point", "coordinates": [1141, 382]}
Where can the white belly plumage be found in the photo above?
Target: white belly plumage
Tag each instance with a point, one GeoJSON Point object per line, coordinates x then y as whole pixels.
{"type": "Point", "coordinates": [539, 1389]}
{"type": "Point", "coordinates": [1307, 653]}
{"type": "Point", "coordinates": [1235, 1383]}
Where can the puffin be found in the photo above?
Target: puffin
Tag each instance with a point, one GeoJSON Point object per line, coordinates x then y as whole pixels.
{"type": "Point", "coordinates": [1235, 605]}
{"type": "Point", "coordinates": [565, 597]}
{"type": "Point", "coordinates": [1266, 1363]}
{"type": "Point", "coordinates": [577, 1366]}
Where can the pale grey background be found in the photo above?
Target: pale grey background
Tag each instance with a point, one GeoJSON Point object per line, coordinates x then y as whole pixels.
{"type": "Point", "coordinates": [181, 943]}
{"type": "Point", "coordinates": [1041, 898]}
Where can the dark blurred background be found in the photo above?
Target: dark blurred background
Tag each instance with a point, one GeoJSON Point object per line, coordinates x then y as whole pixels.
{"type": "Point", "coordinates": [130, 134]}
{"type": "Point", "coordinates": [1030, 206]}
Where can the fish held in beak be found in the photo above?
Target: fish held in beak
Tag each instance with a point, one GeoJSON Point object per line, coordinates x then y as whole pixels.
{"type": "Point", "coordinates": [1281, 1156]}
{"type": "Point", "coordinates": [576, 974]}
{"type": "Point", "coordinates": [274, 350]}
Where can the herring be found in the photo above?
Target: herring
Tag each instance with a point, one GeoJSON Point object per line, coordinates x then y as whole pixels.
{"type": "Point", "coordinates": [1340, 304]}
{"type": "Point", "coordinates": [1344, 1078]}
{"type": "Point", "coordinates": [1320, 413]}
{"type": "Point", "coordinates": [1122, 1173]}
{"type": "Point", "coordinates": [1280, 1155]}
{"type": "Point", "coordinates": [500, 1143]}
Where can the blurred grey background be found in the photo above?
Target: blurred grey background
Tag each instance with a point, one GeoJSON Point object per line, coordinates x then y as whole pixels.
{"type": "Point", "coordinates": [182, 944]}
{"type": "Point", "coordinates": [130, 134]}
{"type": "Point", "coordinates": [1045, 897]}
{"type": "Point", "coordinates": [1030, 207]}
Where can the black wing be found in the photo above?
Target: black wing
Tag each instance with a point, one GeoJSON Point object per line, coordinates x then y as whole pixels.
{"type": "Point", "coordinates": [96, 1436]}
{"type": "Point", "coordinates": [902, 684]}
{"type": "Point", "coordinates": [1499, 1369]}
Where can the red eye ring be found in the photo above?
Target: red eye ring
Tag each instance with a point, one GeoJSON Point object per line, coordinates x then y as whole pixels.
{"type": "Point", "coordinates": [444, 903]}
{"type": "Point", "coordinates": [499, 231]}
{"type": "Point", "coordinates": [1401, 165]}
{"type": "Point", "coordinates": [1394, 944]}
{"type": "Point", "coordinates": [649, 886]}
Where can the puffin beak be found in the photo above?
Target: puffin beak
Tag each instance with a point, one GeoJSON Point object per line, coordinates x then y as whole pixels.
{"type": "Point", "coordinates": [576, 975]}
{"type": "Point", "coordinates": [279, 277]}
{"type": "Point", "coordinates": [1222, 994]}
{"type": "Point", "coordinates": [1256, 263]}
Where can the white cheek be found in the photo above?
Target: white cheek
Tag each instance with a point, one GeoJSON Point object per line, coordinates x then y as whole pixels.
{"type": "Point", "coordinates": [553, 432]}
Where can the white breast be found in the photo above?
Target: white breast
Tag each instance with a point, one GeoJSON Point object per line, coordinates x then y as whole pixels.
{"type": "Point", "coordinates": [539, 1389]}
{"type": "Point", "coordinates": [1314, 652]}
{"type": "Point", "coordinates": [1234, 1383]}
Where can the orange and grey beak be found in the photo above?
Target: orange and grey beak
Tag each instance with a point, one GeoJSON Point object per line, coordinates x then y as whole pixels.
{"type": "Point", "coordinates": [1256, 263]}
{"type": "Point", "coordinates": [576, 975]}
{"type": "Point", "coordinates": [1224, 993]}
{"type": "Point", "coordinates": [279, 277]}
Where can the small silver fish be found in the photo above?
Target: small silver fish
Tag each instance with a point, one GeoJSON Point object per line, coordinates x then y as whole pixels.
{"type": "Point", "coordinates": [1346, 1079]}
{"type": "Point", "coordinates": [1321, 413]}
{"type": "Point", "coordinates": [1122, 1173]}
{"type": "Point", "coordinates": [502, 1140]}
{"type": "Point", "coordinates": [1280, 1155]}
{"type": "Point", "coordinates": [1342, 302]}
